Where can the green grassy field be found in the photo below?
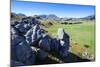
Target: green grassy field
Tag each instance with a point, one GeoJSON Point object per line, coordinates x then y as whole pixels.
{"type": "Point", "coordinates": [80, 34]}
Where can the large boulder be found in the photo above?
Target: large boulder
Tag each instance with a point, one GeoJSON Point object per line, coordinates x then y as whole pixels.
{"type": "Point", "coordinates": [54, 44]}
{"type": "Point", "coordinates": [14, 30]}
{"type": "Point", "coordinates": [20, 27]}
{"type": "Point", "coordinates": [64, 42]}
{"type": "Point", "coordinates": [60, 33]}
{"type": "Point", "coordinates": [31, 20]}
{"type": "Point", "coordinates": [34, 35]}
{"type": "Point", "coordinates": [63, 49]}
{"type": "Point", "coordinates": [24, 54]}
{"type": "Point", "coordinates": [31, 35]}
{"type": "Point", "coordinates": [23, 27]}
{"type": "Point", "coordinates": [14, 23]}
{"type": "Point", "coordinates": [44, 43]}
{"type": "Point", "coordinates": [28, 36]}
{"type": "Point", "coordinates": [15, 37]}
{"type": "Point", "coordinates": [40, 54]}
{"type": "Point", "coordinates": [40, 33]}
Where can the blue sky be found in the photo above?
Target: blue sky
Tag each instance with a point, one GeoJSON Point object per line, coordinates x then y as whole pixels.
{"type": "Point", "coordinates": [61, 10]}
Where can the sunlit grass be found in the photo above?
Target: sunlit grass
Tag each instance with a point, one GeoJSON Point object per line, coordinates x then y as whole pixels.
{"type": "Point", "coordinates": [82, 34]}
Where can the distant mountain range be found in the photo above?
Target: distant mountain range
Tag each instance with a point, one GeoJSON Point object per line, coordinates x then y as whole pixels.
{"type": "Point", "coordinates": [52, 17]}
{"type": "Point", "coordinates": [91, 17]}
{"type": "Point", "coordinates": [56, 18]}
{"type": "Point", "coordinates": [17, 15]}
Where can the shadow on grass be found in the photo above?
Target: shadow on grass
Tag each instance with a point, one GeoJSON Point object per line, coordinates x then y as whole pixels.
{"type": "Point", "coordinates": [74, 58]}
{"type": "Point", "coordinates": [71, 58]}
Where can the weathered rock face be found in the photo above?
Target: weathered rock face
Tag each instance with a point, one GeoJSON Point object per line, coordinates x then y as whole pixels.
{"type": "Point", "coordinates": [28, 33]}
{"type": "Point", "coordinates": [34, 35]}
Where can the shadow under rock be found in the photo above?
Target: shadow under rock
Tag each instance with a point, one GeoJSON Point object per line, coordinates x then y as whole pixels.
{"type": "Point", "coordinates": [71, 58]}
